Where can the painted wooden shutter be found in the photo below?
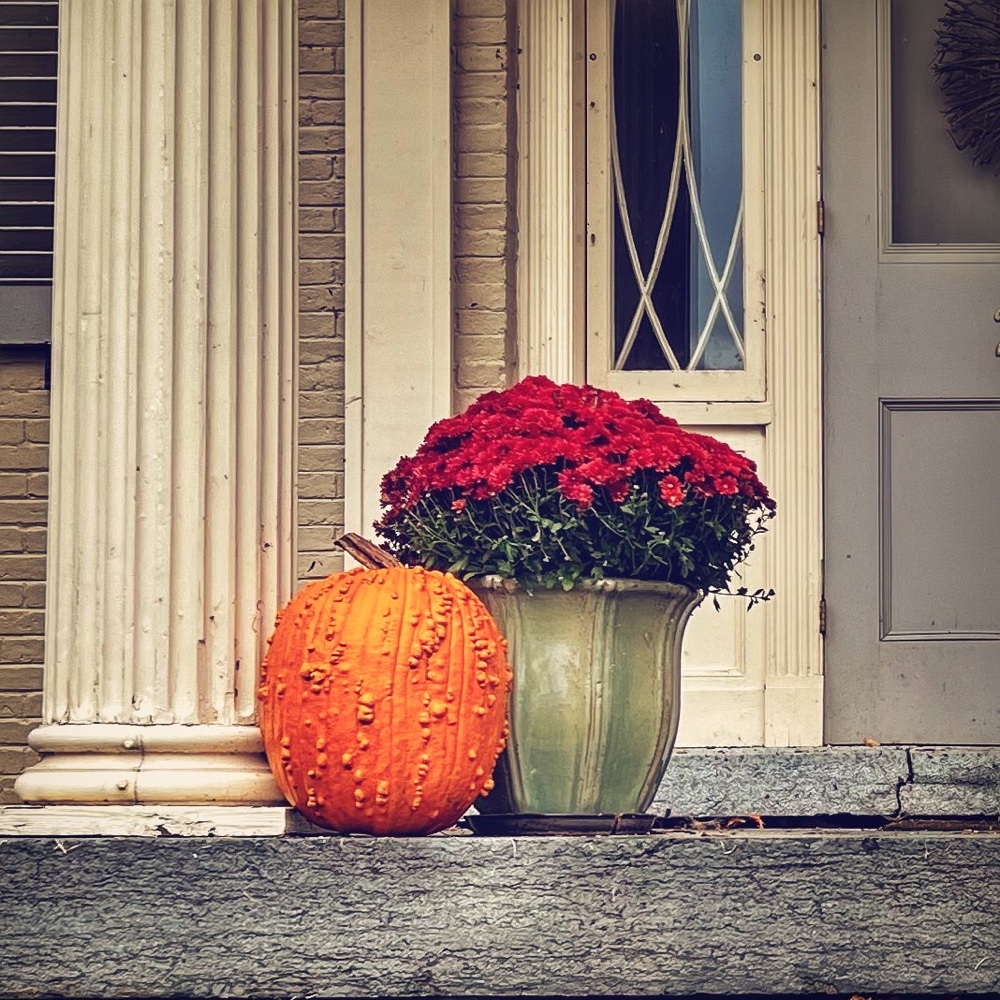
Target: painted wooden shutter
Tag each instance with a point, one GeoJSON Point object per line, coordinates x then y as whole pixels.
{"type": "Point", "coordinates": [28, 45]}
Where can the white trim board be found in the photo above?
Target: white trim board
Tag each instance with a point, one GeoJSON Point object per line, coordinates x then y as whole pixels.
{"type": "Point", "coordinates": [398, 238]}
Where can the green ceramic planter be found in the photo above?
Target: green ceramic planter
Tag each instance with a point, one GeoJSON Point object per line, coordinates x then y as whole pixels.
{"type": "Point", "coordinates": [595, 702]}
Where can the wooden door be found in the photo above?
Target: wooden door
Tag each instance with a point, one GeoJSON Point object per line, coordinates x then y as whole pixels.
{"type": "Point", "coordinates": [912, 392]}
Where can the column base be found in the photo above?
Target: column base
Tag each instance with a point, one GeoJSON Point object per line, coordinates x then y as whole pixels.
{"type": "Point", "coordinates": [121, 764]}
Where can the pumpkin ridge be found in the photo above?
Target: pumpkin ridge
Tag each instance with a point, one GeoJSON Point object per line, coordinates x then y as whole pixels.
{"type": "Point", "coordinates": [384, 815]}
{"type": "Point", "coordinates": [460, 651]}
{"type": "Point", "coordinates": [431, 783]}
{"type": "Point", "coordinates": [495, 656]}
{"type": "Point", "coordinates": [403, 813]}
{"type": "Point", "coordinates": [319, 673]}
{"type": "Point", "coordinates": [342, 692]}
{"type": "Point", "coordinates": [341, 778]}
{"type": "Point", "coordinates": [339, 694]}
{"type": "Point", "coordinates": [294, 718]}
{"type": "Point", "coordinates": [393, 815]}
{"type": "Point", "coordinates": [371, 760]}
{"type": "Point", "coordinates": [294, 765]}
{"type": "Point", "coordinates": [436, 674]}
{"type": "Point", "coordinates": [439, 783]}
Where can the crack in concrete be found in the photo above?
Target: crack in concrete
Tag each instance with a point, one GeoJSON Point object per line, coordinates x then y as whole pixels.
{"type": "Point", "coordinates": [901, 783]}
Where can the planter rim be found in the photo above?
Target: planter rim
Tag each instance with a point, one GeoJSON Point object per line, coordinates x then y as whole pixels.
{"type": "Point", "coordinates": [608, 584]}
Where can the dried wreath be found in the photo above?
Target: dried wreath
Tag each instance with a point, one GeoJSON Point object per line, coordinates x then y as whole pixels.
{"type": "Point", "coordinates": [967, 66]}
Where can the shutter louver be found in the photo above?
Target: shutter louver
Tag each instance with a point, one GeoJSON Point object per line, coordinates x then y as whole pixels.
{"type": "Point", "coordinates": [28, 40]}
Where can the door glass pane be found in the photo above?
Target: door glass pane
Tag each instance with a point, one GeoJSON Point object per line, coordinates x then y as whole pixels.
{"type": "Point", "coordinates": [939, 194]}
{"type": "Point", "coordinates": [677, 154]}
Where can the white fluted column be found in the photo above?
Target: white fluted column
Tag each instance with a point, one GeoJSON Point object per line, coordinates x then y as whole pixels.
{"type": "Point", "coordinates": [171, 510]}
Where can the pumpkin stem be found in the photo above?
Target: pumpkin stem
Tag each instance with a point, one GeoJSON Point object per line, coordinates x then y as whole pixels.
{"type": "Point", "coordinates": [370, 555]}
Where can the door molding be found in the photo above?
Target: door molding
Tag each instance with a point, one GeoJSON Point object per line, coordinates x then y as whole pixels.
{"type": "Point", "coordinates": [888, 408]}
{"type": "Point", "coordinates": [550, 189]}
{"type": "Point", "coordinates": [793, 697]}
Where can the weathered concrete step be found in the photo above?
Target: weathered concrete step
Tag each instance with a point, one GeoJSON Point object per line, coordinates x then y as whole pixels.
{"type": "Point", "coordinates": [825, 781]}
{"type": "Point", "coordinates": [741, 912]}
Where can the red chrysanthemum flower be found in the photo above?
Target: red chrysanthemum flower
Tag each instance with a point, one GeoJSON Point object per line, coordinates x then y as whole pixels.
{"type": "Point", "coordinates": [671, 491]}
{"type": "Point", "coordinates": [595, 482]}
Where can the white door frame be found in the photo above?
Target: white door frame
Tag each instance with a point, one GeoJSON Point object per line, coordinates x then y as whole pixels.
{"type": "Point", "coordinates": [782, 704]}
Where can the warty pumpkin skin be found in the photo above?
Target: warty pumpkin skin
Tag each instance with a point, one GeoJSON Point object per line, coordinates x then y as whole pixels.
{"type": "Point", "coordinates": [383, 700]}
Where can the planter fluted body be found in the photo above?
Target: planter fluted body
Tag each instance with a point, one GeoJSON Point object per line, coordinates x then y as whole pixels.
{"type": "Point", "coordinates": [595, 702]}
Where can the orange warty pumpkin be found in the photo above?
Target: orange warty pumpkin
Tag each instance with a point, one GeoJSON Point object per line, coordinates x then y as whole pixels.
{"type": "Point", "coordinates": [383, 700]}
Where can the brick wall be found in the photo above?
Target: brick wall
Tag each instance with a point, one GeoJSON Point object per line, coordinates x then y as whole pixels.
{"type": "Point", "coordinates": [24, 426]}
{"type": "Point", "coordinates": [483, 38]}
{"type": "Point", "coordinates": [321, 286]}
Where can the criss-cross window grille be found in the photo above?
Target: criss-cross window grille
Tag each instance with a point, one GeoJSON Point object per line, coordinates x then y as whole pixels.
{"type": "Point", "coordinates": [675, 199]}
{"type": "Point", "coordinates": [28, 47]}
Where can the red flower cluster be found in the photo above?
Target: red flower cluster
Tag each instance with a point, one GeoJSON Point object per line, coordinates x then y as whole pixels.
{"type": "Point", "coordinates": [592, 438]}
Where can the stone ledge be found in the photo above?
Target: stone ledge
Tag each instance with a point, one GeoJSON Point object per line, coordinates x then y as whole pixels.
{"type": "Point", "coordinates": [889, 781]}
{"type": "Point", "coordinates": [796, 782]}
{"type": "Point", "coordinates": [741, 912]}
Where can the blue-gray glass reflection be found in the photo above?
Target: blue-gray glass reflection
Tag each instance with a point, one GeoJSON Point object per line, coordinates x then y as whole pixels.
{"type": "Point", "coordinates": [677, 159]}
